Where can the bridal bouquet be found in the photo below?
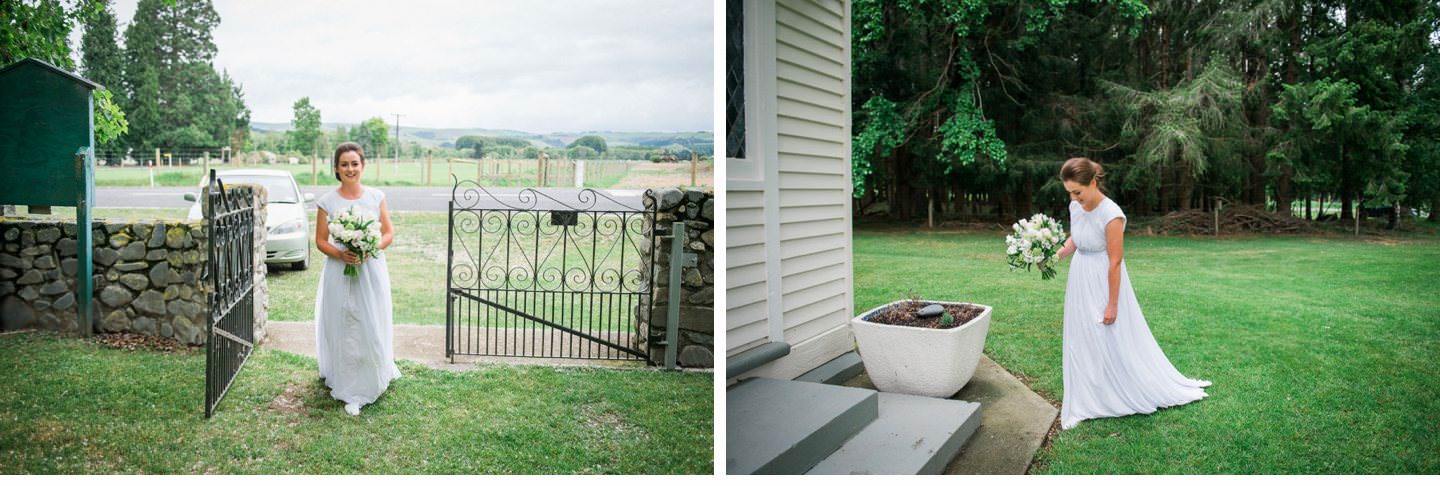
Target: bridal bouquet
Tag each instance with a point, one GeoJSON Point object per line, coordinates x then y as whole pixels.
{"type": "Point", "coordinates": [1036, 240]}
{"type": "Point", "coordinates": [359, 232]}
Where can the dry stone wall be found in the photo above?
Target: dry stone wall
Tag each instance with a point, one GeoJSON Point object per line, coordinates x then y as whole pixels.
{"type": "Point", "coordinates": [149, 275]}
{"type": "Point", "coordinates": [697, 292]}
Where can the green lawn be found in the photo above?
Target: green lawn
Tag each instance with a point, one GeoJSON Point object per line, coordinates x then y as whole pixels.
{"type": "Point", "coordinates": [600, 174]}
{"type": "Point", "coordinates": [417, 271]}
{"type": "Point", "coordinates": [1321, 350]}
{"type": "Point", "coordinates": [71, 406]}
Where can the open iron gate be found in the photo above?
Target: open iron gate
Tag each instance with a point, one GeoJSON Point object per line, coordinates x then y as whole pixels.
{"type": "Point", "coordinates": [230, 275]}
{"type": "Point", "coordinates": [545, 277]}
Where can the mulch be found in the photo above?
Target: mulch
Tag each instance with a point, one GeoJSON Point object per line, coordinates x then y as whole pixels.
{"type": "Point", "coordinates": [903, 314]}
{"type": "Point", "coordinates": [132, 342]}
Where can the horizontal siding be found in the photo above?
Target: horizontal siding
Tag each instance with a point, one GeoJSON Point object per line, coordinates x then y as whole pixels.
{"type": "Point", "coordinates": [823, 253]}
{"type": "Point", "coordinates": [809, 180]}
{"type": "Point", "coordinates": [813, 197]}
{"type": "Point", "coordinates": [809, 94]}
{"type": "Point", "coordinates": [830, 13]}
{"type": "Point", "coordinates": [811, 173]}
{"type": "Point", "coordinates": [738, 236]}
{"type": "Point", "coordinates": [821, 25]}
{"type": "Point", "coordinates": [797, 127]}
{"type": "Point", "coordinates": [821, 300]}
{"type": "Point", "coordinates": [816, 320]}
{"type": "Point", "coordinates": [804, 164]}
{"type": "Point", "coordinates": [743, 199]}
{"type": "Point", "coordinates": [810, 110]}
{"type": "Point", "coordinates": [753, 292]}
{"type": "Point", "coordinates": [738, 256]}
{"type": "Point", "coordinates": [814, 213]}
{"type": "Point", "coordinates": [737, 275]}
{"type": "Point", "coordinates": [743, 338]}
{"type": "Point", "coordinates": [808, 229]}
{"type": "Point", "coordinates": [809, 76]}
{"type": "Point", "coordinates": [819, 274]}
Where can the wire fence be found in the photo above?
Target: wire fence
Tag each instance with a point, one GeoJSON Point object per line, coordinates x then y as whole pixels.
{"type": "Point", "coordinates": [185, 166]}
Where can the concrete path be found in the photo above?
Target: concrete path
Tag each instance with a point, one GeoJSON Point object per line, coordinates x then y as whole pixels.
{"type": "Point", "coordinates": [1013, 422]}
{"type": "Point", "coordinates": [421, 344]}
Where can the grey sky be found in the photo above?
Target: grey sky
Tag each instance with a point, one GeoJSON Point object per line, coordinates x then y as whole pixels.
{"type": "Point", "coordinates": [532, 65]}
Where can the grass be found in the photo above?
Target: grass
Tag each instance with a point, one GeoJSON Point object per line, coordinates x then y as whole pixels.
{"type": "Point", "coordinates": [417, 272]}
{"type": "Point", "coordinates": [600, 174]}
{"type": "Point", "coordinates": [70, 406]}
{"type": "Point", "coordinates": [1321, 350]}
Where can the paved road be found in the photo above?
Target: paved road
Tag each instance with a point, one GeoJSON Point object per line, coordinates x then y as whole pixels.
{"type": "Point", "coordinates": [401, 198]}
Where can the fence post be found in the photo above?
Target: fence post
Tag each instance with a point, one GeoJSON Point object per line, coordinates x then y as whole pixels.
{"type": "Point", "coordinates": [672, 321]}
{"type": "Point", "coordinates": [429, 167]}
{"type": "Point", "coordinates": [694, 160]}
{"type": "Point", "coordinates": [207, 162]}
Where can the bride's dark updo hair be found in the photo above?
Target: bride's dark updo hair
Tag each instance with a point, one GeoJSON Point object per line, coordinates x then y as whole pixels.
{"type": "Point", "coordinates": [346, 147]}
{"type": "Point", "coordinates": [1081, 170]}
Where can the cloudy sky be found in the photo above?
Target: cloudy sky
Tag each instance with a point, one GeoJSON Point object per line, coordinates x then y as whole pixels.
{"type": "Point", "coordinates": [532, 65]}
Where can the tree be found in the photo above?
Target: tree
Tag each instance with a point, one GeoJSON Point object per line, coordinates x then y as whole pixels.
{"type": "Point", "coordinates": [102, 58]}
{"type": "Point", "coordinates": [372, 135]}
{"type": "Point", "coordinates": [594, 142]}
{"type": "Point", "coordinates": [307, 126]}
{"type": "Point", "coordinates": [178, 98]}
{"type": "Point", "coordinates": [41, 30]}
{"type": "Point", "coordinates": [581, 152]}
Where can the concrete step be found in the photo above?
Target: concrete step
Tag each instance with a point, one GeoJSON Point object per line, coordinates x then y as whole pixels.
{"type": "Point", "coordinates": [912, 435]}
{"type": "Point", "coordinates": [786, 427]}
{"type": "Point", "coordinates": [836, 371]}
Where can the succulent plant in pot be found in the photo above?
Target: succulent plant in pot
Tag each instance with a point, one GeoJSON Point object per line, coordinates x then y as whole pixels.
{"type": "Point", "coordinates": [919, 347]}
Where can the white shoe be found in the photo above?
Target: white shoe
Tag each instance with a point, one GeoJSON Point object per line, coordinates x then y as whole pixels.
{"type": "Point", "coordinates": [352, 408]}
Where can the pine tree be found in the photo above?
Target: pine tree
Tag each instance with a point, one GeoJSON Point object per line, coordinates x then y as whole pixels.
{"type": "Point", "coordinates": [177, 97]}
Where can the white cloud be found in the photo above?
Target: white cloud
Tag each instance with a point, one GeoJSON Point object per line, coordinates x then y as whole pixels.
{"type": "Point", "coordinates": [540, 66]}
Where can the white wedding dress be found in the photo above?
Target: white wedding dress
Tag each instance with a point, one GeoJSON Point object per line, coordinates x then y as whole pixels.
{"type": "Point", "coordinates": [354, 339]}
{"type": "Point", "coordinates": [1113, 370]}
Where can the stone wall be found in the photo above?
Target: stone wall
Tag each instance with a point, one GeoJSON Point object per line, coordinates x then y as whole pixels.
{"type": "Point", "coordinates": [148, 276]}
{"type": "Point", "coordinates": [697, 292]}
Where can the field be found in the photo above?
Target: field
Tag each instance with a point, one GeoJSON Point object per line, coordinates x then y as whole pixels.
{"type": "Point", "coordinates": [1320, 348]}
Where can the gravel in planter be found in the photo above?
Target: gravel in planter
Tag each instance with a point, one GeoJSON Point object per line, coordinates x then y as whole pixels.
{"type": "Point", "coordinates": [904, 314]}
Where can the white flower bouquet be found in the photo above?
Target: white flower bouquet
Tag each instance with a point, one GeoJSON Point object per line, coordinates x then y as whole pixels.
{"type": "Point", "coordinates": [1035, 242]}
{"type": "Point", "coordinates": [359, 232]}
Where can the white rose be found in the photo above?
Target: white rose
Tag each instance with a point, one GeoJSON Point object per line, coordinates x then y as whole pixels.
{"type": "Point", "coordinates": [1012, 250]}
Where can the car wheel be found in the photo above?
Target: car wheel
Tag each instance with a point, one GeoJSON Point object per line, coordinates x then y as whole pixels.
{"type": "Point", "coordinates": [302, 264]}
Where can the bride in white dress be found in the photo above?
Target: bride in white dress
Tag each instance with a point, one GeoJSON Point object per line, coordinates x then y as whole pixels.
{"type": "Point", "coordinates": [1112, 364]}
{"type": "Point", "coordinates": [354, 339]}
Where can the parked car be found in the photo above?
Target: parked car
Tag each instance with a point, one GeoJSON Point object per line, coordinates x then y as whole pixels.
{"type": "Point", "coordinates": [286, 220]}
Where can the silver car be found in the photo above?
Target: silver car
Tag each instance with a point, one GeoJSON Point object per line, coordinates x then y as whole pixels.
{"type": "Point", "coordinates": [286, 220]}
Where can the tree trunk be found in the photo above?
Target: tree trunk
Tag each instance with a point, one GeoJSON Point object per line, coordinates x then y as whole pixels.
{"type": "Point", "coordinates": [1164, 197]}
{"type": "Point", "coordinates": [1434, 211]}
{"type": "Point", "coordinates": [1307, 208]}
{"type": "Point", "coordinates": [1187, 188]}
{"type": "Point", "coordinates": [1283, 197]}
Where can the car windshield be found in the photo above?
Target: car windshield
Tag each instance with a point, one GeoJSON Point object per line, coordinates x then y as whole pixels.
{"type": "Point", "coordinates": [278, 189]}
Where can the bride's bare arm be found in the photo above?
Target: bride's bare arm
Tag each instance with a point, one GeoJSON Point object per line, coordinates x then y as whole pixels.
{"type": "Point", "coordinates": [387, 232]}
{"type": "Point", "coordinates": [1115, 247]}
{"type": "Point", "coordinates": [1066, 250]}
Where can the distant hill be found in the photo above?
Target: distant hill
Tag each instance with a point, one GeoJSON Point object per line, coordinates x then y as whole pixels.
{"type": "Point", "coordinates": [445, 137]}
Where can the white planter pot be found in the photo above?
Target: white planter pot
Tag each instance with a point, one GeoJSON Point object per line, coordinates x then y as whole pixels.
{"type": "Point", "coordinates": [920, 361]}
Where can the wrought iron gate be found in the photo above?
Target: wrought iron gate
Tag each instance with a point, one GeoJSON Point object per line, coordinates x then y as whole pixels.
{"type": "Point", "coordinates": [231, 269]}
{"type": "Point", "coordinates": [545, 277]}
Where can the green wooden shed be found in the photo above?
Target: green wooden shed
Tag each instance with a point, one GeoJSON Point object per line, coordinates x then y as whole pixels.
{"type": "Point", "coordinates": [47, 140]}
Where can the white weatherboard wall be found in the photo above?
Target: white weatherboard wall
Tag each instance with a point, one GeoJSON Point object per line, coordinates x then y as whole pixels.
{"type": "Point", "coordinates": [788, 221]}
